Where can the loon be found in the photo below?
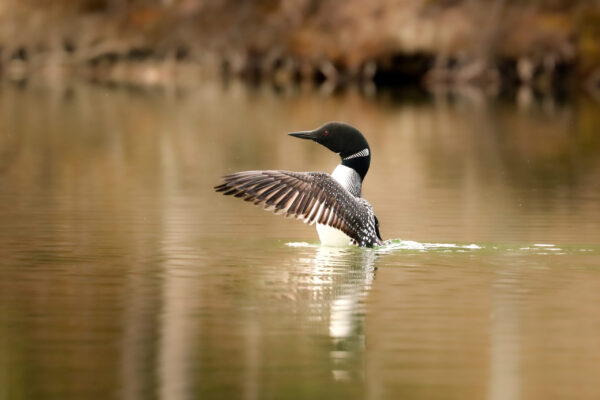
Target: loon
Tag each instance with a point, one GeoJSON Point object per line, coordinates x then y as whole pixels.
{"type": "Point", "coordinates": [333, 201]}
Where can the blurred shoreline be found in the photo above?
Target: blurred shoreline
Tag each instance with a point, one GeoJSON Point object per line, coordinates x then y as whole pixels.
{"type": "Point", "coordinates": [545, 45]}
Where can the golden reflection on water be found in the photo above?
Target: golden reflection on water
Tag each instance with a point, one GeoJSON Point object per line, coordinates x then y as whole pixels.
{"type": "Point", "coordinates": [124, 275]}
{"type": "Point", "coordinates": [523, 327]}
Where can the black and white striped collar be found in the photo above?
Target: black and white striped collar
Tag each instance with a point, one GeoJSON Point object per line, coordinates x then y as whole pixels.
{"type": "Point", "coordinates": [363, 153]}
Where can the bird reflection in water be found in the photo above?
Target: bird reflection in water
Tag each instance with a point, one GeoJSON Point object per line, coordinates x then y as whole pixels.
{"type": "Point", "coordinates": [301, 306]}
{"type": "Point", "coordinates": [340, 279]}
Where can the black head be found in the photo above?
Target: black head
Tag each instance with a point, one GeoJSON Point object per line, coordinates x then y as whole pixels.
{"type": "Point", "coordinates": [345, 140]}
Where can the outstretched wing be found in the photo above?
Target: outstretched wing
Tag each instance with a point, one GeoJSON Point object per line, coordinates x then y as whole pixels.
{"type": "Point", "coordinates": [309, 196]}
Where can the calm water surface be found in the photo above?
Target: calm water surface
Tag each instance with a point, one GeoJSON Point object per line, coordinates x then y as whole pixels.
{"type": "Point", "coordinates": [123, 275]}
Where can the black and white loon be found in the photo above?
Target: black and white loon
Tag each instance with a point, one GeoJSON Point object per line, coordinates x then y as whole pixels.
{"type": "Point", "coordinates": [333, 201]}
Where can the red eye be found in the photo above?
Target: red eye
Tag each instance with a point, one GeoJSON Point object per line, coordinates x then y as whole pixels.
{"type": "Point", "coordinates": [326, 133]}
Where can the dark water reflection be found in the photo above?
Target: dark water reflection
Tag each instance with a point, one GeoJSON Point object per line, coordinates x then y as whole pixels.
{"type": "Point", "coordinates": [123, 275]}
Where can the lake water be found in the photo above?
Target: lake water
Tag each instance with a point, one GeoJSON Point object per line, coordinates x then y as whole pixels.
{"type": "Point", "coordinates": [123, 275]}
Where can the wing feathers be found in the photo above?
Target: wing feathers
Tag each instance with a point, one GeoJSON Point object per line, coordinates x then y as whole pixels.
{"type": "Point", "coordinates": [292, 210]}
{"type": "Point", "coordinates": [313, 197]}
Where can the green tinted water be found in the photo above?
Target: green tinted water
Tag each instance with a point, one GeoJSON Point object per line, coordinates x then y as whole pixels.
{"type": "Point", "coordinates": [123, 275]}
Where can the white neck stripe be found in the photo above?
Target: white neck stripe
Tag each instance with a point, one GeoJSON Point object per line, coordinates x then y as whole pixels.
{"type": "Point", "coordinates": [362, 153]}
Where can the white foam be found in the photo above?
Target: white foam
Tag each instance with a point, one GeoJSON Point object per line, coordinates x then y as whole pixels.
{"type": "Point", "coordinates": [422, 247]}
{"type": "Point", "coordinates": [409, 244]}
{"type": "Point", "coordinates": [439, 245]}
{"type": "Point", "coordinates": [299, 244]}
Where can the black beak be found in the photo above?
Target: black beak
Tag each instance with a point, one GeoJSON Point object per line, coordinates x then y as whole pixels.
{"type": "Point", "coordinates": [304, 135]}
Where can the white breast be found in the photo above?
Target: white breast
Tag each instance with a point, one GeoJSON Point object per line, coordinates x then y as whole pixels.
{"type": "Point", "coordinates": [348, 178]}
{"type": "Point", "coordinates": [332, 237]}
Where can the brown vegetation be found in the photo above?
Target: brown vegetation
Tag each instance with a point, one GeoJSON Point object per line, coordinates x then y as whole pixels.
{"type": "Point", "coordinates": [542, 43]}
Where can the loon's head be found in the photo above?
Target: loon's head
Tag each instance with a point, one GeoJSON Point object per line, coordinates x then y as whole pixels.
{"type": "Point", "coordinates": [345, 140]}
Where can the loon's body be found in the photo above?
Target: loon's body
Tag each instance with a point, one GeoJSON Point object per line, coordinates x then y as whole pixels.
{"type": "Point", "coordinates": [333, 201]}
{"type": "Point", "coordinates": [351, 181]}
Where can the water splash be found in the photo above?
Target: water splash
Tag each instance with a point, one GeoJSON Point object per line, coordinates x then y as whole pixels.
{"type": "Point", "coordinates": [393, 245]}
{"type": "Point", "coordinates": [399, 244]}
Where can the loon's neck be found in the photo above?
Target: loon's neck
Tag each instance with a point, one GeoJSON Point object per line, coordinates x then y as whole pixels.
{"type": "Point", "coordinates": [359, 162]}
{"type": "Point", "coordinates": [348, 178]}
